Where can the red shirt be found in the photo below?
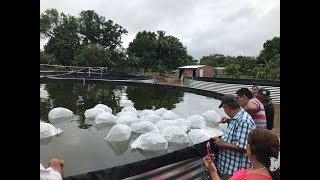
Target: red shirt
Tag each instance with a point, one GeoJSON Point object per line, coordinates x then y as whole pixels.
{"type": "Point", "coordinates": [245, 175]}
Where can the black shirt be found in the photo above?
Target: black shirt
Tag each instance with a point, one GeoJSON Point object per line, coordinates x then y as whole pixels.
{"type": "Point", "coordinates": [269, 110]}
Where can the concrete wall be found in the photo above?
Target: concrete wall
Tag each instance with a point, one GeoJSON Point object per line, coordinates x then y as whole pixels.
{"type": "Point", "coordinates": [207, 72]}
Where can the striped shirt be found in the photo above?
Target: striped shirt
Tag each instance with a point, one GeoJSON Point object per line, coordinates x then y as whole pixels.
{"type": "Point", "coordinates": [237, 131]}
{"type": "Point", "coordinates": [260, 116]}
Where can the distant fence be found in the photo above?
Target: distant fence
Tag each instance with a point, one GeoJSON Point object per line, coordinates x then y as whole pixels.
{"type": "Point", "coordinates": [258, 82]}
{"type": "Point", "coordinates": [230, 87]}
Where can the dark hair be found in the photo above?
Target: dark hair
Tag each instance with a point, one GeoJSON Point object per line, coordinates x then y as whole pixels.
{"type": "Point", "coordinates": [254, 86]}
{"type": "Point", "coordinates": [264, 144]}
{"type": "Point", "coordinates": [244, 91]}
{"type": "Point", "coordinates": [233, 106]}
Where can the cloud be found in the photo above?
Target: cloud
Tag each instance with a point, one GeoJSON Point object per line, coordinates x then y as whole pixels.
{"type": "Point", "coordinates": [208, 26]}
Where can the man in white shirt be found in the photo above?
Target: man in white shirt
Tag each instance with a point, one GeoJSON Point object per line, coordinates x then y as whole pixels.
{"type": "Point", "coordinates": [54, 171]}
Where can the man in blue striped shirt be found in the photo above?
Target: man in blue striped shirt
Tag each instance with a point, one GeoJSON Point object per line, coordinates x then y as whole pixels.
{"type": "Point", "coordinates": [232, 145]}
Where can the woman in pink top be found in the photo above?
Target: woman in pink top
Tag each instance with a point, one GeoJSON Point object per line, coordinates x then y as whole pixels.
{"type": "Point", "coordinates": [253, 106]}
{"type": "Point", "coordinates": [262, 145]}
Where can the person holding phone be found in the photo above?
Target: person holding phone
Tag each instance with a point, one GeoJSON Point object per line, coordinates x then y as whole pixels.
{"type": "Point", "coordinates": [262, 146]}
{"type": "Point", "coordinates": [232, 144]}
{"type": "Point", "coordinates": [54, 171]}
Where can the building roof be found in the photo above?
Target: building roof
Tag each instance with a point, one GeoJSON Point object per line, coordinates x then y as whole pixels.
{"type": "Point", "coordinates": [191, 67]}
{"type": "Point", "coordinates": [220, 68]}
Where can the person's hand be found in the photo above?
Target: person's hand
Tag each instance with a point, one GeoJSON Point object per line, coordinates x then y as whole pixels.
{"type": "Point", "coordinates": [217, 141]}
{"type": "Point", "coordinates": [57, 165]}
{"type": "Point", "coordinates": [207, 161]}
{"type": "Point", "coordinates": [225, 120]}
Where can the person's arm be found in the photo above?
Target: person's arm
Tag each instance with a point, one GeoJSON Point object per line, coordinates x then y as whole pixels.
{"type": "Point", "coordinates": [218, 142]}
{"type": "Point", "coordinates": [207, 161]}
{"type": "Point", "coordinates": [252, 108]}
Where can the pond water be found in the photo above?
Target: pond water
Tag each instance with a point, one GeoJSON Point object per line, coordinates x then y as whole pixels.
{"type": "Point", "coordinates": [82, 144]}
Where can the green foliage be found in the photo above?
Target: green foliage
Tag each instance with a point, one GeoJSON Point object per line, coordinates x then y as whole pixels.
{"type": "Point", "coordinates": [95, 29]}
{"type": "Point", "coordinates": [265, 66]}
{"type": "Point", "coordinates": [158, 52]}
{"type": "Point", "coordinates": [233, 70]}
{"type": "Point", "coordinates": [68, 34]}
{"type": "Point", "coordinates": [214, 60]}
{"type": "Point", "coordinates": [270, 49]}
{"type": "Point", "coordinates": [47, 58]}
{"type": "Point", "coordinates": [143, 50]}
{"type": "Point", "coordinates": [93, 55]}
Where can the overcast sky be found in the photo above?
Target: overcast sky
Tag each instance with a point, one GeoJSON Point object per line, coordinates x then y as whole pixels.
{"type": "Point", "coordinates": [229, 27]}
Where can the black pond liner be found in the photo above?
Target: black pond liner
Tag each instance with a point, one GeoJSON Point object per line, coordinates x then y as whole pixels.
{"type": "Point", "coordinates": [192, 153]}
{"type": "Point", "coordinates": [124, 171]}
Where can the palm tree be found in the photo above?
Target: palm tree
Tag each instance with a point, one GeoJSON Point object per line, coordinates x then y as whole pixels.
{"type": "Point", "coordinates": [161, 43]}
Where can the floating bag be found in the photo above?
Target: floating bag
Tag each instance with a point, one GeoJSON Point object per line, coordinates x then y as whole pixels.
{"type": "Point", "coordinates": [175, 135]}
{"type": "Point", "coordinates": [153, 118]}
{"type": "Point", "coordinates": [48, 130]}
{"type": "Point", "coordinates": [197, 121]}
{"type": "Point", "coordinates": [93, 113]}
{"type": "Point", "coordinates": [150, 141]}
{"type": "Point", "coordinates": [119, 132]}
{"type": "Point", "coordinates": [104, 107]}
{"type": "Point", "coordinates": [129, 108]}
{"type": "Point", "coordinates": [106, 118]}
{"type": "Point", "coordinates": [60, 112]}
{"type": "Point", "coordinates": [143, 127]}
{"type": "Point", "coordinates": [169, 115]}
{"type": "Point", "coordinates": [160, 111]}
{"type": "Point", "coordinates": [198, 135]}
{"type": "Point", "coordinates": [211, 116]}
{"type": "Point", "coordinates": [127, 119]}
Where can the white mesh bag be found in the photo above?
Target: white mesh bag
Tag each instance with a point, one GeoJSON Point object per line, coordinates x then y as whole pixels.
{"type": "Point", "coordinates": [127, 119]}
{"type": "Point", "coordinates": [143, 127]}
{"type": "Point", "coordinates": [93, 113]}
{"type": "Point", "coordinates": [169, 115]}
{"type": "Point", "coordinates": [119, 132]}
{"type": "Point", "coordinates": [198, 135]}
{"type": "Point", "coordinates": [211, 116]}
{"type": "Point", "coordinates": [48, 130]}
{"type": "Point", "coordinates": [105, 118]}
{"type": "Point", "coordinates": [60, 112]}
{"type": "Point", "coordinates": [197, 121]}
{"type": "Point", "coordinates": [175, 135]}
{"type": "Point", "coordinates": [104, 107]}
{"type": "Point", "coordinates": [153, 118]}
{"type": "Point", "coordinates": [150, 141]}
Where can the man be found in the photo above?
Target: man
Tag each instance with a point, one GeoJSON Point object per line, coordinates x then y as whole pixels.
{"type": "Point", "coordinates": [263, 95]}
{"type": "Point", "coordinates": [253, 106]}
{"type": "Point", "coordinates": [232, 144]}
{"type": "Point", "coordinates": [54, 171]}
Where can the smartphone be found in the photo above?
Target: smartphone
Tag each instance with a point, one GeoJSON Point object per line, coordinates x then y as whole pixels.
{"type": "Point", "coordinates": [209, 150]}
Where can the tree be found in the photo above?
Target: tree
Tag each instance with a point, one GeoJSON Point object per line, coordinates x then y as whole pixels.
{"type": "Point", "coordinates": [47, 58]}
{"type": "Point", "coordinates": [67, 33]}
{"type": "Point", "coordinates": [246, 64]}
{"type": "Point", "coordinates": [93, 55]}
{"type": "Point", "coordinates": [95, 29]}
{"type": "Point", "coordinates": [233, 70]}
{"type": "Point", "coordinates": [161, 44]}
{"type": "Point", "coordinates": [213, 60]}
{"type": "Point", "coordinates": [65, 40]}
{"type": "Point", "coordinates": [176, 54]}
{"type": "Point", "coordinates": [143, 50]}
{"type": "Point", "coordinates": [270, 49]}
{"type": "Point", "coordinates": [48, 21]}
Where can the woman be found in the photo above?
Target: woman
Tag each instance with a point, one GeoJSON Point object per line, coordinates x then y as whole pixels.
{"type": "Point", "coordinates": [262, 145]}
